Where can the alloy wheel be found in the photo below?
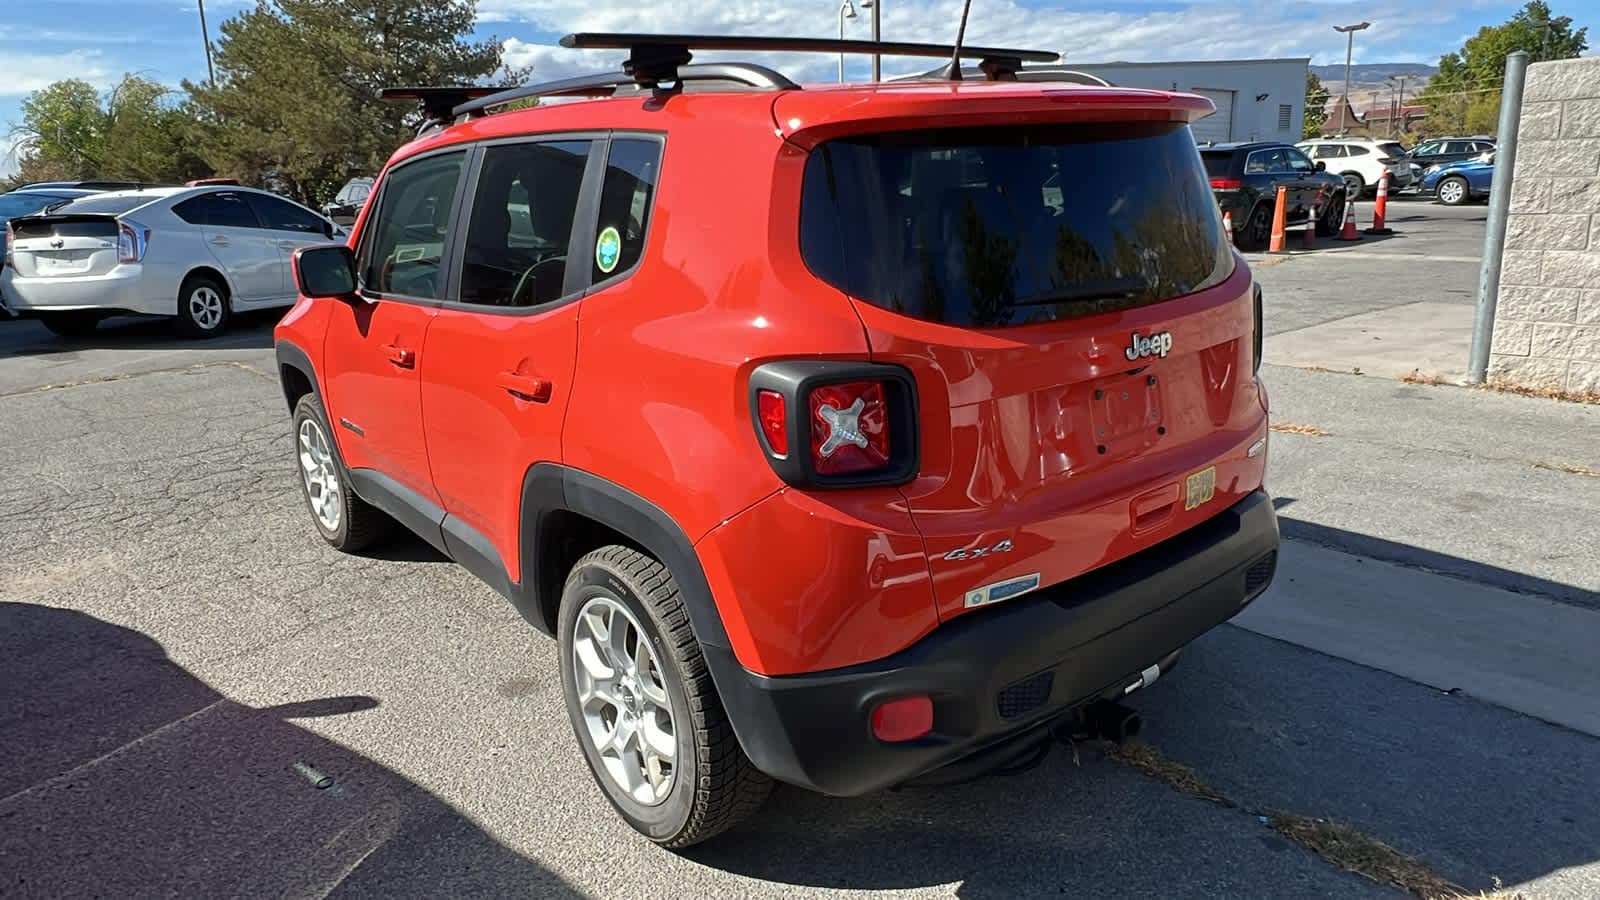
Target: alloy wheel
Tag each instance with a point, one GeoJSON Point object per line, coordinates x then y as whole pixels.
{"type": "Point", "coordinates": [321, 475]}
{"type": "Point", "coordinates": [627, 713]}
{"type": "Point", "coordinates": [1451, 191]}
{"type": "Point", "coordinates": [205, 307]}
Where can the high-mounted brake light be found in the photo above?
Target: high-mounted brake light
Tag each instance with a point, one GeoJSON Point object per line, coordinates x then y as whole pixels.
{"type": "Point", "coordinates": [836, 424]}
{"type": "Point", "coordinates": [1226, 184]}
{"type": "Point", "coordinates": [849, 427]}
{"type": "Point", "coordinates": [132, 240]}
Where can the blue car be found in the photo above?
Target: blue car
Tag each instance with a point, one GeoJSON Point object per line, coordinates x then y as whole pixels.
{"type": "Point", "coordinates": [1459, 182]}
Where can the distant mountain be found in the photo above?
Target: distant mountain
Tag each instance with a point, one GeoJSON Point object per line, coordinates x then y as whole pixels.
{"type": "Point", "coordinates": [1371, 72]}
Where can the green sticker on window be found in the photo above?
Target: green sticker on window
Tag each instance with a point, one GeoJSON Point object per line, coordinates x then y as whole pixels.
{"type": "Point", "coordinates": [608, 249]}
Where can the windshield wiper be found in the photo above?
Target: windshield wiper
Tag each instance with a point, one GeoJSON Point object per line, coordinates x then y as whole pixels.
{"type": "Point", "coordinates": [1107, 289]}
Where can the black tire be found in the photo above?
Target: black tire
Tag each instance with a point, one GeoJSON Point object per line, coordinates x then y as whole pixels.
{"type": "Point", "coordinates": [715, 786]}
{"type": "Point", "coordinates": [71, 324]}
{"type": "Point", "coordinates": [1256, 232]}
{"type": "Point", "coordinates": [1332, 218]}
{"type": "Point", "coordinates": [360, 525]}
{"type": "Point", "coordinates": [1464, 196]}
{"type": "Point", "coordinates": [191, 321]}
{"type": "Point", "coordinates": [1354, 185]}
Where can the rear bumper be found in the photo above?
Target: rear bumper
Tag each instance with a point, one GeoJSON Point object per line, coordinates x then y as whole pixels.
{"type": "Point", "coordinates": [1003, 672]}
{"type": "Point", "coordinates": [123, 289]}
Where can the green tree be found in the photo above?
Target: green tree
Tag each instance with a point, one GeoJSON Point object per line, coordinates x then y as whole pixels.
{"type": "Point", "coordinates": [296, 96]}
{"type": "Point", "coordinates": [69, 131]}
{"type": "Point", "coordinates": [1316, 105]}
{"type": "Point", "coordinates": [1465, 95]}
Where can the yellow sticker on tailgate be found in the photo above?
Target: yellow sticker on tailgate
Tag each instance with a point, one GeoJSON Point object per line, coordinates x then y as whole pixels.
{"type": "Point", "coordinates": [1200, 487]}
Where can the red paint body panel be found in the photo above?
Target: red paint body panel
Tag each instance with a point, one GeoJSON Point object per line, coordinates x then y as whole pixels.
{"type": "Point", "coordinates": [481, 438]}
{"type": "Point", "coordinates": [367, 384]}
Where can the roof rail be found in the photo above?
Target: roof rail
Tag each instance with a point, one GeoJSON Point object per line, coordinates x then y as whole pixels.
{"type": "Point", "coordinates": [604, 85]}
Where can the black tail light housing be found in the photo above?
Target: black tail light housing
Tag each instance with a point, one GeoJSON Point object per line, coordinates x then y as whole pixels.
{"type": "Point", "coordinates": [828, 424]}
{"type": "Point", "coordinates": [1255, 330]}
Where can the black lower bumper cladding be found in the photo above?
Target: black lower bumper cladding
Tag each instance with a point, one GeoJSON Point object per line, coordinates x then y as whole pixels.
{"type": "Point", "coordinates": [998, 673]}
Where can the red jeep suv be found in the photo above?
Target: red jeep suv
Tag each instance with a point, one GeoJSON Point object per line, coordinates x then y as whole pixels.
{"type": "Point", "coordinates": [838, 435]}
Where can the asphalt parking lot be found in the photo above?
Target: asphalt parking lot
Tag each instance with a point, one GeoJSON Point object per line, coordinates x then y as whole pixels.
{"type": "Point", "coordinates": [200, 697]}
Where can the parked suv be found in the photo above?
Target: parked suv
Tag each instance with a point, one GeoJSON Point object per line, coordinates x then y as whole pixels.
{"type": "Point", "coordinates": [1245, 177]}
{"type": "Point", "coordinates": [1447, 150]}
{"type": "Point", "coordinates": [830, 451]}
{"type": "Point", "coordinates": [1361, 162]}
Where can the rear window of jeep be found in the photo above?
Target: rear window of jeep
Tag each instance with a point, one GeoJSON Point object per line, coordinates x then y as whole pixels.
{"type": "Point", "coordinates": [1011, 226]}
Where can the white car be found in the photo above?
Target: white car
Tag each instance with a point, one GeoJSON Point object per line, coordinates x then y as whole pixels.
{"type": "Point", "coordinates": [198, 254]}
{"type": "Point", "coordinates": [1362, 162]}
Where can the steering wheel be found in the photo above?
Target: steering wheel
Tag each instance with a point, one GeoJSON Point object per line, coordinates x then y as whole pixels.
{"type": "Point", "coordinates": [530, 279]}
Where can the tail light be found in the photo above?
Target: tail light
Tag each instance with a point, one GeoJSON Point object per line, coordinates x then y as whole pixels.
{"type": "Point", "coordinates": [1226, 184]}
{"type": "Point", "coordinates": [905, 719]}
{"type": "Point", "coordinates": [132, 240]}
{"type": "Point", "coordinates": [836, 424]}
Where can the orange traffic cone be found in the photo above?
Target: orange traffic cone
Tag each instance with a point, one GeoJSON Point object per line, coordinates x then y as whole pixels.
{"type": "Point", "coordinates": [1278, 237]}
{"type": "Point", "coordinates": [1348, 232]}
{"type": "Point", "coordinates": [1380, 206]}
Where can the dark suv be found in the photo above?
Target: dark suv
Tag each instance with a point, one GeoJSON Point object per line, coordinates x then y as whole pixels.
{"type": "Point", "coordinates": [832, 445]}
{"type": "Point", "coordinates": [1446, 150]}
{"type": "Point", "coordinates": [1245, 177]}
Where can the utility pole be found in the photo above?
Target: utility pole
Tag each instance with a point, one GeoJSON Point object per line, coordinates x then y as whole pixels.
{"type": "Point", "coordinates": [877, 35]}
{"type": "Point", "coordinates": [205, 37]}
{"type": "Point", "coordinates": [1350, 38]}
{"type": "Point", "coordinates": [1494, 238]}
{"type": "Point", "coordinates": [1400, 106]}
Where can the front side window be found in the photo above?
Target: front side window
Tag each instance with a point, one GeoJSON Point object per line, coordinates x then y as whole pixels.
{"type": "Point", "coordinates": [1013, 225]}
{"type": "Point", "coordinates": [403, 247]}
{"type": "Point", "coordinates": [625, 202]}
{"type": "Point", "coordinates": [521, 223]}
{"type": "Point", "coordinates": [281, 215]}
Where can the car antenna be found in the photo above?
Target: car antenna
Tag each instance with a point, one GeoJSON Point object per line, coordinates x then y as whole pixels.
{"type": "Point", "coordinates": [952, 69]}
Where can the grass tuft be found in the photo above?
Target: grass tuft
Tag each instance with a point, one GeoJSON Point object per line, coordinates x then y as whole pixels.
{"type": "Point", "coordinates": [1310, 430]}
{"type": "Point", "coordinates": [1417, 376]}
{"type": "Point", "coordinates": [1548, 392]}
{"type": "Point", "coordinates": [1147, 759]}
{"type": "Point", "coordinates": [1567, 468]}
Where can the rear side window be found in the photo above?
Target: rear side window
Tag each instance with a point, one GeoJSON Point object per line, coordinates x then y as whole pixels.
{"type": "Point", "coordinates": [521, 224]}
{"type": "Point", "coordinates": [962, 227]}
{"type": "Point", "coordinates": [625, 202]}
{"type": "Point", "coordinates": [1354, 150]}
{"type": "Point", "coordinates": [403, 249]}
{"type": "Point", "coordinates": [218, 211]}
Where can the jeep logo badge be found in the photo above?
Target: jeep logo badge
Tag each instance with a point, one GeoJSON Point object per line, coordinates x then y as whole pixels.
{"type": "Point", "coordinates": [1154, 345]}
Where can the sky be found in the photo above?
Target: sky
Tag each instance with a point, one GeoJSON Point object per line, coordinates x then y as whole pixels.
{"type": "Point", "coordinates": [99, 41]}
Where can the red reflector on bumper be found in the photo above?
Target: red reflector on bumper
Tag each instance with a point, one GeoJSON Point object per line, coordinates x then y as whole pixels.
{"type": "Point", "coordinates": [905, 719]}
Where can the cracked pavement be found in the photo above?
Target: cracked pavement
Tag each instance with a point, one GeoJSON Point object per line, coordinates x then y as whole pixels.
{"type": "Point", "coordinates": [197, 696]}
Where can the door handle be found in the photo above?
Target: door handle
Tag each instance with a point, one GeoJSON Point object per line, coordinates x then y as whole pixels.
{"type": "Point", "coordinates": [526, 387]}
{"type": "Point", "coordinates": [404, 357]}
{"type": "Point", "coordinates": [219, 240]}
{"type": "Point", "coordinates": [287, 244]}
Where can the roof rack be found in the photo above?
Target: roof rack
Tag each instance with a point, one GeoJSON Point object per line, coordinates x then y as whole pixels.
{"type": "Point", "coordinates": [437, 102]}
{"type": "Point", "coordinates": [655, 60]}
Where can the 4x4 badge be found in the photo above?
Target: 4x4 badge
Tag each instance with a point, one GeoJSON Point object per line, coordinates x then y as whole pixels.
{"type": "Point", "coordinates": [1159, 344]}
{"type": "Point", "coordinates": [608, 249]}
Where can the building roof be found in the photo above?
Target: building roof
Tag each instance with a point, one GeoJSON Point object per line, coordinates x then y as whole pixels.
{"type": "Point", "coordinates": [1169, 63]}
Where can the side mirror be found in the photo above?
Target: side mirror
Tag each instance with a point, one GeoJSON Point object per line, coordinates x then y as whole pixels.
{"type": "Point", "coordinates": [325, 271]}
{"type": "Point", "coordinates": [1321, 166]}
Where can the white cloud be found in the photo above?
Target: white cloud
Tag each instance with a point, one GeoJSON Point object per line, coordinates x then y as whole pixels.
{"type": "Point", "coordinates": [1200, 31]}
{"type": "Point", "coordinates": [24, 73]}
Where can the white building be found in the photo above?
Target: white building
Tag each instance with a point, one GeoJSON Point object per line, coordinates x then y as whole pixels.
{"type": "Point", "coordinates": [1257, 99]}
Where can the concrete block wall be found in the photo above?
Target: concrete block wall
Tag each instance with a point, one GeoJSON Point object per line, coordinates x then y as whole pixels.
{"type": "Point", "coordinates": [1547, 321]}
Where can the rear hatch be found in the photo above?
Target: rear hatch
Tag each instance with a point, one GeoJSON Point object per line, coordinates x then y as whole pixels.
{"type": "Point", "coordinates": [1080, 337]}
{"type": "Point", "coordinates": [77, 238]}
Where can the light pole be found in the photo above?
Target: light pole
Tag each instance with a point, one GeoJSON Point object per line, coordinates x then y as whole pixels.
{"type": "Point", "coordinates": [847, 10]}
{"type": "Point", "coordinates": [1349, 32]}
{"type": "Point", "coordinates": [877, 35]}
{"type": "Point", "coordinates": [205, 37]}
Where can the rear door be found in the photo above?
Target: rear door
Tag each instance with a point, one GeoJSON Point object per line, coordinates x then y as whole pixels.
{"type": "Point", "coordinates": [288, 226]}
{"type": "Point", "coordinates": [246, 252]}
{"type": "Point", "coordinates": [502, 355]}
{"type": "Point", "coordinates": [1084, 376]}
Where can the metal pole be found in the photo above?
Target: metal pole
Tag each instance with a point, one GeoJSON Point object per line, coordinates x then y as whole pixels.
{"type": "Point", "coordinates": [842, 8]}
{"type": "Point", "coordinates": [1400, 109]}
{"type": "Point", "coordinates": [1349, 44]}
{"type": "Point", "coordinates": [205, 37]}
{"type": "Point", "coordinates": [1494, 240]}
{"type": "Point", "coordinates": [877, 35]}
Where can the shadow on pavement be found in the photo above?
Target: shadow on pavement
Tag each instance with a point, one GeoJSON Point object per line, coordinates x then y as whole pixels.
{"type": "Point", "coordinates": [123, 775]}
{"type": "Point", "coordinates": [1417, 557]}
{"type": "Point", "coordinates": [25, 337]}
